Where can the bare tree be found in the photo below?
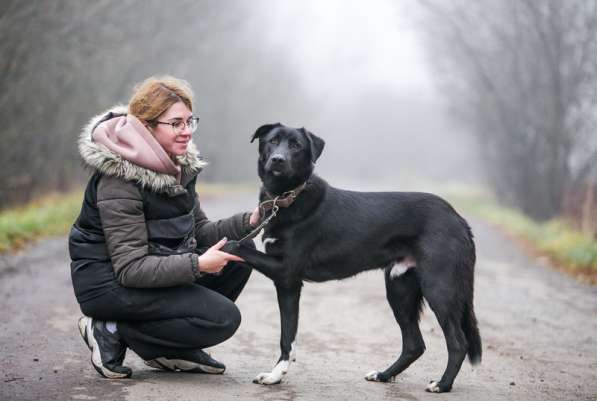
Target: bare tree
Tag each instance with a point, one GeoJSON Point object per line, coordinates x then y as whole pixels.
{"type": "Point", "coordinates": [522, 73]}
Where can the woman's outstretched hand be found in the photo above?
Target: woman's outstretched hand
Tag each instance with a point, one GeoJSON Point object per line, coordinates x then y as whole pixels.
{"type": "Point", "coordinates": [214, 260]}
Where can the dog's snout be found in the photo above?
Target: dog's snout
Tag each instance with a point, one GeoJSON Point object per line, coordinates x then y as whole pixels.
{"type": "Point", "coordinates": [278, 159]}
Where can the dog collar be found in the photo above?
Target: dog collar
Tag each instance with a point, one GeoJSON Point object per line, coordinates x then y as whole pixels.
{"type": "Point", "coordinates": [284, 200]}
{"type": "Point", "coordinates": [274, 204]}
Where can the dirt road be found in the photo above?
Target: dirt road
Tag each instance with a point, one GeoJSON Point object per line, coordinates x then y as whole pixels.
{"type": "Point", "coordinates": [539, 331]}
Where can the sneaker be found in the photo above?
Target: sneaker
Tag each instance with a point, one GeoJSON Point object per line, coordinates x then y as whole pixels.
{"type": "Point", "coordinates": [198, 361]}
{"type": "Point", "coordinates": [107, 349]}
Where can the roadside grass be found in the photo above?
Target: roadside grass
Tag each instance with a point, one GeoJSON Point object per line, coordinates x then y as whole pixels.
{"type": "Point", "coordinates": [54, 214]}
{"type": "Point", "coordinates": [50, 215]}
{"type": "Point", "coordinates": [566, 248]}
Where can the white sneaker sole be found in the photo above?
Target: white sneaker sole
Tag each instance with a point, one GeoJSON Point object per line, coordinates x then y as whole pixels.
{"type": "Point", "coordinates": [82, 324]}
{"type": "Point", "coordinates": [180, 365]}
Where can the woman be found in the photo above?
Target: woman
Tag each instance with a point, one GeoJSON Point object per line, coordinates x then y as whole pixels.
{"type": "Point", "coordinates": [146, 266]}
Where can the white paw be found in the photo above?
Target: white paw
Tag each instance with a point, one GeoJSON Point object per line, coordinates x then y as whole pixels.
{"type": "Point", "coordinates": [372, 376]}
{"type": "Point", "coordinates": [433, 387]}
{"type": "Point", "coordinates": [268, 378]}
{"type": "Point", "coordinates": [273, 377]}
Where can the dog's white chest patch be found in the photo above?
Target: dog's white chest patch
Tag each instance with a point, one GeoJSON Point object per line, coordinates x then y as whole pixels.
{"type": "Point", "coordinates": [402, 267]}
{"type": "Point", "coordinates": [269, 241]}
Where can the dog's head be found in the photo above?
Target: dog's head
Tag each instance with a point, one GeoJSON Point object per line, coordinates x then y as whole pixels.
{"type": "Point", "coordinates": [286, 156]}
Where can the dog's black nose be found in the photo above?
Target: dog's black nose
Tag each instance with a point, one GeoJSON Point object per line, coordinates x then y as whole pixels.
{"type": "Point", "coordinates": [278, 159]}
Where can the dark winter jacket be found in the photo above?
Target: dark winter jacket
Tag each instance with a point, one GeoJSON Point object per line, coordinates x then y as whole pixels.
{"type": "Point", "coordinates": [140, 228]}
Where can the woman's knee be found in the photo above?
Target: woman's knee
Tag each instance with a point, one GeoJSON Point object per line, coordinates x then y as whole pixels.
{"type": "Point", "coordinates": [232, 319]}
{"type": "Point", "coordinates": [223, 314]}
{"type": "Point", "coordinates": [226, 324]}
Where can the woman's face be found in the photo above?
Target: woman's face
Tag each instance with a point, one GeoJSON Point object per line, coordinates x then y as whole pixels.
{"type": "Point", "coordinates": [173, 144]}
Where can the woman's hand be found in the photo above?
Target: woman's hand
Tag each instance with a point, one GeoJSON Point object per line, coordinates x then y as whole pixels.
{"type": "Point", "coordinates": [214, 260]}
{"type": "Point", "coordinates": [255, 217]}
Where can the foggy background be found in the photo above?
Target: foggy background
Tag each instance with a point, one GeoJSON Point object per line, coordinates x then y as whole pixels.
{"type": "Point", "coordinates": [493, 93]}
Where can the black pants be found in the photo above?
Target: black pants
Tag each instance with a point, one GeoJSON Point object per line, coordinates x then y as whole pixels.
{"type": "Point", "coordinates": [169, 322]}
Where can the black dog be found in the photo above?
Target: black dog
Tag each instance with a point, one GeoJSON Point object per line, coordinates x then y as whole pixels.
{"type": "Point", "coordinates": [323, 233]}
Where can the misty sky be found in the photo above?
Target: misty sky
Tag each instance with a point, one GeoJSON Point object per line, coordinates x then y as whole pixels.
{"type": "Point", "coordinates": [365, 67]}
{"type": "Point", "coordinates": [350, 43]}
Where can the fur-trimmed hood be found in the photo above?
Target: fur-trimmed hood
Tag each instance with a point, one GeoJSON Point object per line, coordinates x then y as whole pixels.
{"type": "Point", "coordinates": [100, 158]}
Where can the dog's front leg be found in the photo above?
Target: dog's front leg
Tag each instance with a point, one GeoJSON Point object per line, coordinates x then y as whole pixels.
{"type": "Point", "coordinates": [268, 265]}
{"type": "Point", "coordinates": [288, 302]}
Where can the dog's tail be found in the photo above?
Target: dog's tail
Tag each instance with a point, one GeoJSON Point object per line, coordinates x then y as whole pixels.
{"type": "Point", "coordinates": [471, 332]}
{"type": "Point", "coordinates": [469, 320]}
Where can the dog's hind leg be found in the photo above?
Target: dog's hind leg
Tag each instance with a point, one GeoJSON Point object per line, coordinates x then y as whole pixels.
{"type": "Point", "coordinates": [448, 304]}
{"type": "Point", "coordinates": [288, 301]}
{"type": "Point", "coordinates": [404, 295]}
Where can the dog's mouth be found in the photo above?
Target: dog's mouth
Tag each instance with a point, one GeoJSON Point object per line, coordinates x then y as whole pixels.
{"type": "Point", "coordinates": [276, 169]}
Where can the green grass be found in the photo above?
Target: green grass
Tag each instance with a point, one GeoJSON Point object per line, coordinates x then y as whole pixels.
{"type": "Point", "coordinates": [51, 215]}
{"type": "Point", "coordinates": [566, 247]}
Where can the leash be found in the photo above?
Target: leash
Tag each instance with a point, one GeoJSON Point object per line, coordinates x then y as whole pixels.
{"type": "Point", "coordinates": [284, 200]}
{"type": "Point", "coordinates": [264, 223]}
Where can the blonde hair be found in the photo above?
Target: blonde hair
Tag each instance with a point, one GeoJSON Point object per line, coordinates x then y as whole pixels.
{"type": "Point", "coordinates": [155, 95]}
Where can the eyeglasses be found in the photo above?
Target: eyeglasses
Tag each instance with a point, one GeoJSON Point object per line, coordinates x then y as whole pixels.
{"type": "Point", "coordinates": [179, 126]}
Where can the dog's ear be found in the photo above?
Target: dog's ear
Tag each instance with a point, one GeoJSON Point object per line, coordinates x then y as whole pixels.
{"type": "Point", "coordinates": [264, 129]}
{"type": "Point", "coordinates": [315, 142]}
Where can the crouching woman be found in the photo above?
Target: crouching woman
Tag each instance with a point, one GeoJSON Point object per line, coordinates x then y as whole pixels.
{"type": "Point", "coordinates": [146, 266]}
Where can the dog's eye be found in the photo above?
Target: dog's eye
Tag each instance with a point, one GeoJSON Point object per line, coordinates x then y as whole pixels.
{"type": "Point", "coordinates": [294, 145]}
{"type": "Point", "coordinates": [274, 141]}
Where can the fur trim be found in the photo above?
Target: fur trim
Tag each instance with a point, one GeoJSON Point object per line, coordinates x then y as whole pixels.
{"type": "Point", "coordinates": [99, 158]}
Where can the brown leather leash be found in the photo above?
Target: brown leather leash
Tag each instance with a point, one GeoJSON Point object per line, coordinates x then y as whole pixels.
{"type": "Point", "coordinates": [274, 204]}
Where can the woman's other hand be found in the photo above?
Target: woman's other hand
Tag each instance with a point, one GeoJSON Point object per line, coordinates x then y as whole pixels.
{"type": "Point", "coordinates": [214, 260]}
{"type": "Point", "coordinates": [255, 217]}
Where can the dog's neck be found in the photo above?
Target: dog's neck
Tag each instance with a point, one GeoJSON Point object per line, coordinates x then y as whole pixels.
{"type": "Point", "coordinates": [283, 200]}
